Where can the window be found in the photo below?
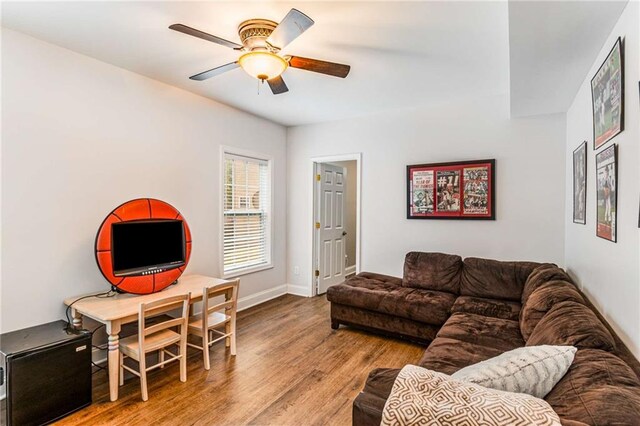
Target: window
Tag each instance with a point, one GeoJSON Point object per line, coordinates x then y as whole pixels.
{"type": "Point", "coordinates": [246, 214]}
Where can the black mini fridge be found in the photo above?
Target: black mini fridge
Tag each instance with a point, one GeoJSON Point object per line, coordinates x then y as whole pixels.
{"type": "Point", "coordinates": [46, 373]}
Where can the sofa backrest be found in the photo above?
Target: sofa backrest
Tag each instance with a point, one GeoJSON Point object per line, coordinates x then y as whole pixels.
{"type": "Point", "coordinates": [432, 271]}
{"type": "Point", "coordinates": [541, 275]}
{"type": "Point", "coordinates": [494, 279]}
{"type": "Point", "coordinates": [542, 300]}
{"type": "Point", "coordinates": [572, 323]}
{"type": "Point", "coordinates": [488, 278]}
{"type": "Point", "coordinates": [622, 350]}
{"type": "Point", "coordinates": [547, 289]}
{"type": "Point", "coordinates": [599, 388]}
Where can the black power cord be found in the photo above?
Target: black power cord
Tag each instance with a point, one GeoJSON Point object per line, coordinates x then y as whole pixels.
{"type": "Point", "coordinates": [99, 367]}
{"type": "Point", "coordinates": [109, 293]}
{"type": "Point", "coordinates": [106, 294]}
{"type": "Point", "coordinates": [102, 348]}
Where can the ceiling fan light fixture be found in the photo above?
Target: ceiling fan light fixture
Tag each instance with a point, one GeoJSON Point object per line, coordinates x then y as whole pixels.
{"type": "Point", "coordinates": [263, 65]}
{"type": "Point", "coordinates": [262, 40]}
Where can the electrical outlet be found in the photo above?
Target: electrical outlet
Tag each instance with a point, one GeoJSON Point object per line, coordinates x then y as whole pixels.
{"type": "Point", "coordinates": [296, 270]}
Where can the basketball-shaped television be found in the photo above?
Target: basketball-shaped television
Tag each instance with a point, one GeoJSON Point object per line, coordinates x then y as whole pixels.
{"type": "Point", "coordinates": [143, 246]}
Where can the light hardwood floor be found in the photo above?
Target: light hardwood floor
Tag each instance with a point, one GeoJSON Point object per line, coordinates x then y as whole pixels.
{"type": "Point", "coordinates": [291, 369]}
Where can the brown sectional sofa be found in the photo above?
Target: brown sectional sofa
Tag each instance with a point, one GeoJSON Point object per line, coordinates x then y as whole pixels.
{"type": "Point", "coordinates": [474, 309]}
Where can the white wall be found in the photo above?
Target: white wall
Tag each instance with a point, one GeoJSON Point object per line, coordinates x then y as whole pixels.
{"type": "Point", "coordinates": [609, 272]}
{"type": "Point", "coordinates": [79, 137]}
{"type": "Point", "coordinates": [530, 183]}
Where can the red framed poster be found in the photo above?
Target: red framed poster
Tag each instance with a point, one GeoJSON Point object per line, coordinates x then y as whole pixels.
{"type": "Point", "coordinates": [457, 190]}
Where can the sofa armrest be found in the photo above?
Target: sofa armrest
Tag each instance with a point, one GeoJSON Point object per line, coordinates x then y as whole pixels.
{"type": "Point", "coordinates": [368, 405]}
{"type": "Point", "coordinates": [380, 381]}
{"type": "Point", "coordinates": [367, 410]}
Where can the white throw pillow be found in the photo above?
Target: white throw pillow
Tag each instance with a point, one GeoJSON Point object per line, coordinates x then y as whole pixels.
{"type": "Point", "coordinates": [532, 369]}
{"type": "Point", "coordinates": [425, 397]}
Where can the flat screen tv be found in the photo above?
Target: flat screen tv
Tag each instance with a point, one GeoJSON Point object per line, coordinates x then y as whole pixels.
{"type": "Point", "coordinates": [141, 247]}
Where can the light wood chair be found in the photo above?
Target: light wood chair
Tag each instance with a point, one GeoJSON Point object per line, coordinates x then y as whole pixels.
{"type": "Point", "coordinates": [157, 337]}
{"type": "Point", "coordinates": [215, 316]}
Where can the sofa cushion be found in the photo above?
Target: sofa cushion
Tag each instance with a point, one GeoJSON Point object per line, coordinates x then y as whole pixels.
{"type": "Point", "coordinates": [497, 333]}
{"type": "Point", "coordinates": [571, 323]}
{"type": "Point", "coordinates": [495, 308]}
{"type": "Point", "coordinates": [387, 296]}
{"type": "Point", "coordinates": [448, 355]}
{"type": "Point", "coordinates": [598, 389]}
{"type": "Point", "coordinates": [467, 339]}
{"type": "Point", "coordinates": [540, 275]}
{"type": "Point", "coordinates": [432, 271]}
{"type": "Point", "coordinates": [388, 279]}
{"type": "Point", "coordinates": [494, 279]}
{"type": "Point", "coordinates": [542, 299]}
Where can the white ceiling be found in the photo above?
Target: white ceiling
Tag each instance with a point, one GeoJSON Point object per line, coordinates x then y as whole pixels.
{"type": "Point", "coordinates": [402, 54]}
{"type": "Point", "coordinates": [552, 47]}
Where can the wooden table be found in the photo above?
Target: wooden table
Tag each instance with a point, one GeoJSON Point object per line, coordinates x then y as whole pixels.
{"type": "Point", "coordinates": [123, 308]}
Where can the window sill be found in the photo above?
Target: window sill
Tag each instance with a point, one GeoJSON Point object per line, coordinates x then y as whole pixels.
{"type": "Point", "coordinates": [247, 271]}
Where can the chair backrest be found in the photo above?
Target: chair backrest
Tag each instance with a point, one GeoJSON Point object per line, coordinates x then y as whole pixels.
{"type": "Point", "coordinates": [230, 292]}
{"type": "Point", "coordinates": [157, 307]}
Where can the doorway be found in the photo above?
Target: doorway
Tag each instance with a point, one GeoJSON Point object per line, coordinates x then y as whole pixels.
{"type": "Point", "coordinates": [336, 220]}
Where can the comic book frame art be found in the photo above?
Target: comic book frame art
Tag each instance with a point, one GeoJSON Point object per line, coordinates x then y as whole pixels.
{"type": "Point", "coordinates": [582, 147]}
{"type": "Point", "coordinates": [458, 166]}
{"type": "Point", "coordinates": [599, 143]}
{"type": "Point", "coordinates": [614, 222]}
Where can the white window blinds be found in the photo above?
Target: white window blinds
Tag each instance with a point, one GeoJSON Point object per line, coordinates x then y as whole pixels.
{"type": "Point", "coordinates": [247, 210]}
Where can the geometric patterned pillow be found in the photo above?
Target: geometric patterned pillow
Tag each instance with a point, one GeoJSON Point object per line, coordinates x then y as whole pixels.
{"type": "Point", "coordinates": [424, 397]}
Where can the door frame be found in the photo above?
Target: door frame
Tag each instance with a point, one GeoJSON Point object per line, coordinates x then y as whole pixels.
{"type": "Point", "coordinates": [357, 157]}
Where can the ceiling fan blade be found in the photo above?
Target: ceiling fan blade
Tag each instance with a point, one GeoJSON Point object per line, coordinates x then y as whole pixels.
{"type": "Point", "coordinates": [215, 71]}
{"type": "Point", "coordinates": [205, 36]}
{"type": "Point", "coordinates": [277, 85]}
{"type": "Point", "coordinates": [323, 67]}
{"type": "Point", "coordinates": [294, 24]}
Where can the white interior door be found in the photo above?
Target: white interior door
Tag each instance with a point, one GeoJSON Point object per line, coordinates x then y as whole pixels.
{"type": "Point", "coordinates": [331, 232]}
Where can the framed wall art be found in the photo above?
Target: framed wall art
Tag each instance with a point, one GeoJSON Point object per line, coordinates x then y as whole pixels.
{"type": "Point", "coordinates": [580, 184]}
{"type": "Point", "coordinates": [607, 95]}
{"type": "Point", "coordinates": [456, 190]}
{"type": "Point", "coordinates": [607, 192]}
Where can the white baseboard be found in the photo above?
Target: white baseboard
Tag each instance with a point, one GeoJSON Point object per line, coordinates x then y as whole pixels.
{"type": "Point", "coordinates": [299, 290]}
{"type": "Point", "coordinates": [261, 297]}
{"type": "Point", "coordinates": [350, 270]}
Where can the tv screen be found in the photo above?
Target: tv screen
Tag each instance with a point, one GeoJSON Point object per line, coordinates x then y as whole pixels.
{"type": "Point", "coordinates": [145, 246]}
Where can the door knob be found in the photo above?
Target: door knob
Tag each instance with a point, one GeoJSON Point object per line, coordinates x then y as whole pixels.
{"type": "Point", "coordinates": [344, 233]}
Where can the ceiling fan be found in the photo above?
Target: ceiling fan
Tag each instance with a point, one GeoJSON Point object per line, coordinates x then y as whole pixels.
{"type": "Point", "coordinates": [262, 40]}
